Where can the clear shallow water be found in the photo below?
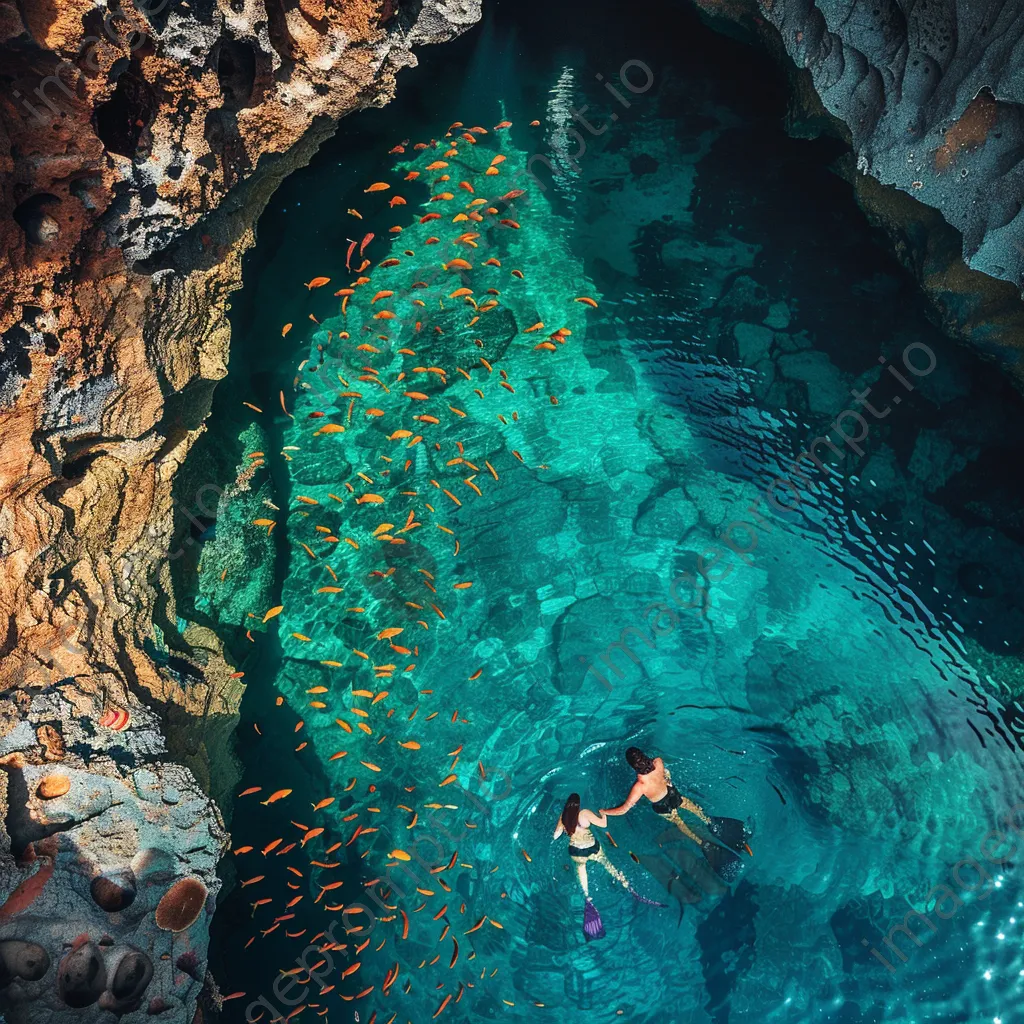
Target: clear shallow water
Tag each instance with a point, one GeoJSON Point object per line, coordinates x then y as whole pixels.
{"type": "Point", "coordinates": [844, 686]}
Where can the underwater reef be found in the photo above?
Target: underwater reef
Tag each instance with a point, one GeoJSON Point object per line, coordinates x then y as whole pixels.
{"type": "Point", "coordinates": [138, 146]}
{"type": "Point", "coordinates": [928, 97]}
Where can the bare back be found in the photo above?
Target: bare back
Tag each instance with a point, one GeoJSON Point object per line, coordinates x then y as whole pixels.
{"type": "Point", "coordinates": [654, 785]}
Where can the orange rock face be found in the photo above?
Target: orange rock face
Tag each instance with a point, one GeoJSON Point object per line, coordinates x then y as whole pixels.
{"type": "Point", "coordinates": [123, 130]}
{"type": "Point", "coordinates": [119, 140]}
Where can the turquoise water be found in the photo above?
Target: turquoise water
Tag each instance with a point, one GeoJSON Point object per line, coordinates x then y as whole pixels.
{"type": "Point", "coordinates": [822, 660]}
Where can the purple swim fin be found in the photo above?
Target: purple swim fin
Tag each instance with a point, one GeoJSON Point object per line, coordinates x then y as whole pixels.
{"type": "Point", "coordinates": [644, 899]}
{"type": "Point", "coordinates": [592, 927]}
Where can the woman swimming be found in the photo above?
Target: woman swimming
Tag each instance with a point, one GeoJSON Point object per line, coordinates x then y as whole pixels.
{"type": "Point", "coordinates": [583, 846]}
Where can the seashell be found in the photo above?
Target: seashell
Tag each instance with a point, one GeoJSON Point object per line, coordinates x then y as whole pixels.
{"type": "Point", "coordinates": [114, 890]}
{"type": "Point", "coordinates": [82, 976]}
{"type": "Point", "coordinates": [20, 959]}
{"type": "Point", "coordinates": [52, 786]}
{"type": "Point", "coordinates": [132, 977]}
{"type": "Point", "coordinates": [181, 905]}
{"type": "Point", "coordinates": [116, 719]}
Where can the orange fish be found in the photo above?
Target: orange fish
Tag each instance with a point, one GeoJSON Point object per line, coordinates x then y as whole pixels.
{"type": "Point", "coordinates": [377, 186]}
{"type": "Point", "coordinates": [278, 794]}
{"type": "Point", "coordinates": [587, 300]}
{"type": "Point", "coordinates": [317, 282]}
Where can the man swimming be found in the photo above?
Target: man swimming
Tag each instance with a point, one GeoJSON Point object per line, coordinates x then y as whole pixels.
{"type": "Point", "coordinates": [654, 782]}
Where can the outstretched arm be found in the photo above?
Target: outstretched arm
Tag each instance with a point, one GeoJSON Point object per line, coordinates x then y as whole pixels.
{"type": "Point", "coordinates": [559, 829]}
{"type": "Point", "coordinates": [634, 795]}
{"type": "Point", "coordinates": [589, 817]}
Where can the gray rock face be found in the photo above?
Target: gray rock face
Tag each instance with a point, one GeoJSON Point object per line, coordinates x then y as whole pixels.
{"type": "Point", "coordinates": [80, 934]}
{"type": "Point", "coordinates": [933, 94]}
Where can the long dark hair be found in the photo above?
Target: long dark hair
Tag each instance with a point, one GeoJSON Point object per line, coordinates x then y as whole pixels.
{"type": "Point", "coordinates": [639, 761]}
{"type": "Point", "coordinates": [571, 813]}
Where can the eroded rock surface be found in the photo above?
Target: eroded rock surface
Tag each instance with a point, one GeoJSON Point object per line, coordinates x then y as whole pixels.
{"type": "Point", "coordinates": [931, 97]}
{"type": "Point", "coordinates": [138, 144]}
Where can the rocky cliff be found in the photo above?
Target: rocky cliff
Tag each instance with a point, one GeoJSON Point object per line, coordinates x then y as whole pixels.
{"type": "Point", "coordinates": [930, 96]}
{"type": "Point", "coordinates": [138, 144]}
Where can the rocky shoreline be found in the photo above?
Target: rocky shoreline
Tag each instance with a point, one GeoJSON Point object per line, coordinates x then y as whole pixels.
{"type": "Point", "coordinates": [928, 100]}
{"type": "Point", "coordinates": [138, 151]}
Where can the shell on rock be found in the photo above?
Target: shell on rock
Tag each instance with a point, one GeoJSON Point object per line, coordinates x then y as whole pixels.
{"type": "Point", "coordinates": [114, 890]}
{"type": "Point", "coordinates": [20, 959]}
{"type": "Point", "coordinates": [132, 977]}
{"type": "Point", "coordinates": [181, 905]}
{"type": "Point", "coordinates": [116, 719]}
{"type": "Point", "coordinates": [82, 976]}
{"type": "Point", "coordinates": [52, 786]}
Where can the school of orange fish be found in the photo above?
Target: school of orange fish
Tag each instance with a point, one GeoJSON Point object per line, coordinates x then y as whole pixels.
{"type": "Point", "coordinates": [407, 395]}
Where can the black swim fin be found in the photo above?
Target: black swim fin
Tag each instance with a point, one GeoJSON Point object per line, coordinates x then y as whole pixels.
{"type": "Point", "coordinates": [732, 833]}
{"type": "Point", "coordinates": [725, 863]}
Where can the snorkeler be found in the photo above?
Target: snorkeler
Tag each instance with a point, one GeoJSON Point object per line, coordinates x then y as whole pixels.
{"type": "Point", "coordinates": [583, 846]}
{"type": "Point", "coordinates": [654, 782]}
